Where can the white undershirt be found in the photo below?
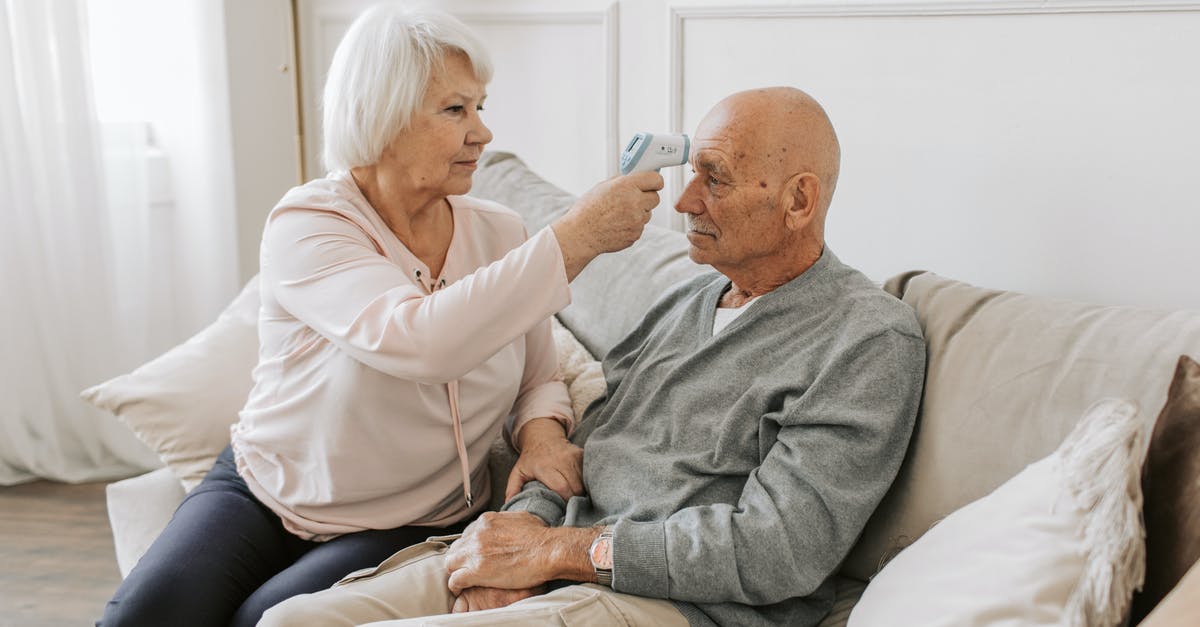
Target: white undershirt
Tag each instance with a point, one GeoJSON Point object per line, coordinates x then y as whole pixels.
{"type": "Point", "coordinates": [725, 315]}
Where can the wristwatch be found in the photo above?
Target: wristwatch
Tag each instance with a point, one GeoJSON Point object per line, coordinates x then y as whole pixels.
{"type": "Point", "coordinates": [601, 555]}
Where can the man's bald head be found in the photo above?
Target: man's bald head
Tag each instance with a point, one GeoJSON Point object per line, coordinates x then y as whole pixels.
{"type": "Point", "coordinates": [788, 130]}
{"type": "Point", "coordinates": [766, 163]}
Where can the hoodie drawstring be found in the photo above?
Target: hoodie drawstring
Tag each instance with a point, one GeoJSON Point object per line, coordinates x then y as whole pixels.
{"type": "Point", "coordinates": [460, 443]}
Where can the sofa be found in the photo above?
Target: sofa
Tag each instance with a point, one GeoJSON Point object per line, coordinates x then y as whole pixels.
{"type": "Point", "coordinates": [1009, 376]}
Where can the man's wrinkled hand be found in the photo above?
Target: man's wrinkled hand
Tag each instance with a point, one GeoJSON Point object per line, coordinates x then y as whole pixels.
{"type": "Point", "coordinates": [477, 599]}
{"type": "Point", "coordinates": [500, 550]}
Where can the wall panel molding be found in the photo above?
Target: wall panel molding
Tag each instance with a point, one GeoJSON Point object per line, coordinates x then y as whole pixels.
{"type": "Point", "coordinates": [680, 12]}
{"type": "Point", "coordinates": [325, 16]}
{"type": "Point", "coordinates": [609, 22]}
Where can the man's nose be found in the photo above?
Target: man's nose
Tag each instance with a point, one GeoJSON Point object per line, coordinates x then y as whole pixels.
{"type": "Point", "coordinates": [689, 201]}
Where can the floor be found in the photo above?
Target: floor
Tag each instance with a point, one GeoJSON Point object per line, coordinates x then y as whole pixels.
{"type": "Point", "coordinates": [57, 565]}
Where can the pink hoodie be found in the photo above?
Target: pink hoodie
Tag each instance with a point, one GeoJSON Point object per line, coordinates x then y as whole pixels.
{"type": "Point", "coordinates": [379, 388]}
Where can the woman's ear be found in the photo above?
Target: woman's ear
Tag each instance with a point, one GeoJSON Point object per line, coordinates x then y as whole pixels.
{"type": "Point", "coordinates": [801, 195]}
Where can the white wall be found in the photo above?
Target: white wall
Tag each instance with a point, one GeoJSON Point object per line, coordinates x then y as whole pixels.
{"type": "Point", "coordinates": [1041, 146]}
{"type": "Point", "coordinates": [263, 115]}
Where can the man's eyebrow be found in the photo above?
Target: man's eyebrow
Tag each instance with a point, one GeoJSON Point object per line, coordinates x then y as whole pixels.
{"type": "Point", "coordinates": [712, 165]}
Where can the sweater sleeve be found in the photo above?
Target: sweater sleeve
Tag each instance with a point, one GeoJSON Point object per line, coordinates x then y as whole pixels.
{"type": "Point", "coordinates": [542, 393]}
{"type": "Point", "coordinates": [838, 448]}
{"type": "Point", "coordinates": [540, 501]}
{"type": "Point", "coordinates": [325, 270]}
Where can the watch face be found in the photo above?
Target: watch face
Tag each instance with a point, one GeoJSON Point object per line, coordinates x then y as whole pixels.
{"type": "Point", "coordinates": [602, 553]}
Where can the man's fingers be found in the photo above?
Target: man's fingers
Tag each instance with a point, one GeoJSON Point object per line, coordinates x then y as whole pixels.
{"type": "Point", "coordinates": [460, 605]}
{"type": "Point", "coordinates": [458, 582]}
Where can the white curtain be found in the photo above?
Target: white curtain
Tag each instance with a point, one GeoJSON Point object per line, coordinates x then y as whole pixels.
{"type": "Point", "coordinates": [97, 274]}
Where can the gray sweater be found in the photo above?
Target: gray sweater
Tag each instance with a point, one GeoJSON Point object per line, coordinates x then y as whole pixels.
{"type": "Point", "coordinates": [739, 469]}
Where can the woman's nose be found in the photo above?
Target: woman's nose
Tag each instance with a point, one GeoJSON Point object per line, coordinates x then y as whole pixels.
{"type": "Point", "coordinates": [481, 133]}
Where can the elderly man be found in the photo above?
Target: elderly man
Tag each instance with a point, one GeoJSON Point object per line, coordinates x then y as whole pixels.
{"type": "Point", "coordinates": [751, 424]}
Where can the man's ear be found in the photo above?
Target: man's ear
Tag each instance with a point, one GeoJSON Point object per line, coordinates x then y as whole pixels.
{"type": "Point", "coordinates": [801, 194]}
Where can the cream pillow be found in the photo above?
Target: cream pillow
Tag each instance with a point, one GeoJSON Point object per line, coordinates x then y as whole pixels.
{"type": "Point", "coordinates": [580, 371]}
{"type": "Point", "coordinates": [181, 403]}
{"type": "Point", "coordinates": [1061, 543]}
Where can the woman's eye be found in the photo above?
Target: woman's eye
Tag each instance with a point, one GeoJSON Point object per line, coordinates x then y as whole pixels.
{"type": "Point", "coordinates": [712, 180]}
{"type": "Point", "coordinates": [455, 109]}
{"type": "Point", "coordinates": [479, 108]}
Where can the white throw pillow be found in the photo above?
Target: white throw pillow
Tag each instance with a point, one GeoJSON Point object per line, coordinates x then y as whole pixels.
{"type": "Point", "coordinates": [182, 403]}
{"type": "Point", "coordinates": [1061, 543]}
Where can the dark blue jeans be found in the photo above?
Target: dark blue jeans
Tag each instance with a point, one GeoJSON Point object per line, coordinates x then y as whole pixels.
{"type": "Point", "coordinates": [225, 558]}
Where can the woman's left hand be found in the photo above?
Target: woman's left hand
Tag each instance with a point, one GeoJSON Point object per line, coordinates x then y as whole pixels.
{"type": "Point", "coordinates": [547, 456]}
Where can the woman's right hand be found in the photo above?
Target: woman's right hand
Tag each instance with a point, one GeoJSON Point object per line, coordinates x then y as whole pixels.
{"type": "Point", "coordinates": [608, 218]}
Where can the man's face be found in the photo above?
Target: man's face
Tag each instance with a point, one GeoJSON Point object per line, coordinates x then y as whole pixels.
{"type": "Point", "coordinates": [732, 202]}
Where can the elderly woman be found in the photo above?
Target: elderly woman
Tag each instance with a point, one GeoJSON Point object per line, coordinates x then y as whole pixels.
{"type": "Point", "coordinates": [401, 323]}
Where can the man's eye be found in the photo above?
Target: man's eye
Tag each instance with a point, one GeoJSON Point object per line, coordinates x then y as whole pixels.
{"type": "Point", "coordinates": [712, 180]}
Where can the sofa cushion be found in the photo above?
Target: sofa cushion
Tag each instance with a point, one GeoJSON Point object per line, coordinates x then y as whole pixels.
{"type": "Point", "coordinates": [1181, 606]}
{"type": "Point", "coordinates": [181, 403]}
{"type": "Point", "coordinates": [1007, 376]}
{"type": "Point", "coordinates": [1059, 544]}
{"type": "Point", "coordinates": [612, 294]}
{"type": "Point", "coordinates": [1171, 482]}
{"type": "Point", "coordinates": [139, 508]}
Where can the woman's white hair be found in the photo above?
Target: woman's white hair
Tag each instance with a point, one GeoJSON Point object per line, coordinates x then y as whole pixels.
{"type": "Point", "coordinates": [379, 75]}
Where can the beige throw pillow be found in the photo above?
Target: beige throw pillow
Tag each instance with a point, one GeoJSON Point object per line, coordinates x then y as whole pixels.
{"type": "Point", "coordinates": [181, 403]}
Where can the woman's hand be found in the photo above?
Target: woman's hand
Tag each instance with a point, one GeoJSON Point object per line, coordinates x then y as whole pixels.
{"type": "Point", "coordinates": [547, 456]}
{"type": "Point", "coordinates": [477, 599]}
{"type": "Point", "coordinates": [608, 218]}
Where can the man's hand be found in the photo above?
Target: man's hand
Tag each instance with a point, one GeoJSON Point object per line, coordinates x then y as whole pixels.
{"type": "Point", "coordinates": [499, 550]}
{"type": "Point", "coordinates": [516, 550]}
{"type": "Point", "coordinates": [547, 455]}
{"type": "Point", "coordinates": [476, 599]}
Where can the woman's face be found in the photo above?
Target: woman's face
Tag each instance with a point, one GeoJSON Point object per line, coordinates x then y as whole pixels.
{"type": "Point", "coordinates": [437, 151]}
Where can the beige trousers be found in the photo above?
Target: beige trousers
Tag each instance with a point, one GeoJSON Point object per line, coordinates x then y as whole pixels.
{"type": "Point", "coordinates": [409, 588]}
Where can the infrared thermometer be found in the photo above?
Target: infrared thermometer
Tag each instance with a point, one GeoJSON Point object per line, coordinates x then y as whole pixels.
{"type": "Point", "coordinates": [647, 151]}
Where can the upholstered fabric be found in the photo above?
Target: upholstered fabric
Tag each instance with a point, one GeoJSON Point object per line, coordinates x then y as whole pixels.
{"type": "Point", "coordinates": [610, 296]}
{"type": "Point", "coordinates": [1171, 482]}
{"type": "Point", "coordinates": [139, 508]}
{"type": "Point", "coordinates": [1181, 607]}
{"type": "Point", "coordinates": [1059, 544]}
{"type": "Point", "coordinates": [1007, 376]}
{"type": "Point", "coordinates": [181, 403]}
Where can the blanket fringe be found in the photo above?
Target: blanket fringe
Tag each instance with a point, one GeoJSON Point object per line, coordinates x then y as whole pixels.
{"type": "Point", "coordinates": [1101, 464]}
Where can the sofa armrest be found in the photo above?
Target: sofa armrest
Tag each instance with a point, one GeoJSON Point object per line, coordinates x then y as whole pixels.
{"type": "Point", "coordinates": [139, 508]}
